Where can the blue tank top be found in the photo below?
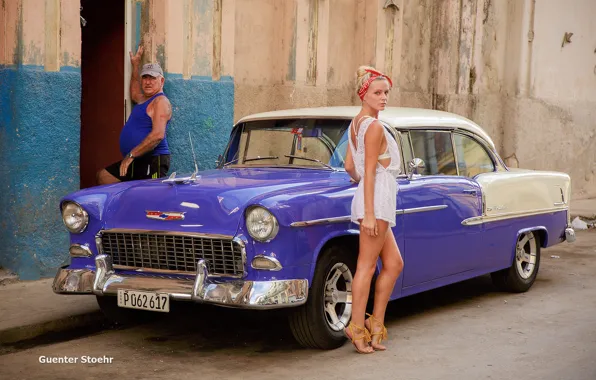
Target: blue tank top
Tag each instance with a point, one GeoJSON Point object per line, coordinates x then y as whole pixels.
{"type": "Point", "coordinates": [137, 127]}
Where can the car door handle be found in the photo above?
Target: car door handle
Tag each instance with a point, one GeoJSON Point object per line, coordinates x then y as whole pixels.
{"type": "Point", "coordinates": [470, 192]}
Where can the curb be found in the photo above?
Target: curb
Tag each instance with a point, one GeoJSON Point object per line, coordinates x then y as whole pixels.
{"type": "Point", "coordinates": [8, 280]}
{"type": "Point", "coordinates": [20, 333]}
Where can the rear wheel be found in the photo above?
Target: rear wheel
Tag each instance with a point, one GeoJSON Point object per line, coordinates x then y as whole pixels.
{"type": "Point", "coordinates": [320, 322]}
{"type": "Point", "coordinates": [521, 275]}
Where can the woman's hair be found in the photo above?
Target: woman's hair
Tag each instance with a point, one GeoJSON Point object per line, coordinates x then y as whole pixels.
{"type": "Point", "coordinates": [364, 73]}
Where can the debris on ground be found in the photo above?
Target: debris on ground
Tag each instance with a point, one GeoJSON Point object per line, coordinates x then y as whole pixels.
{"type": "Point", "coordinates": [579, 224]}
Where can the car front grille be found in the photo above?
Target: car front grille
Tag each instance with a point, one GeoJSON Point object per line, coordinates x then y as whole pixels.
{"type": "Point", "coordinates": [224, 257]}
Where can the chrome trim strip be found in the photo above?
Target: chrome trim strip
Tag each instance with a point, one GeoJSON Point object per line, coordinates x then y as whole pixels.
{"type": "Point", "coordinates": [83, 247]}
{"type": "Point", "coordinates": [269, 258]}
{"type": "Point", "coordinates": [151, 270]}
{"type": "Point", "coordinates": [559, 204]}
{"type": "Point", "coordinates": [510, 215]}
{"type": "Point", "coordinates": [454, 147]}
{"type": "Point", "coordinates": [346, 219]}
{"type": "Point", "coordinates": [313, 222]}
{"type": "Point", "coordinates": [236, 293]}
{"type": "Point", "coordinates": [420, 209]}
{"type": "Point", "coordinates": [177, 233]}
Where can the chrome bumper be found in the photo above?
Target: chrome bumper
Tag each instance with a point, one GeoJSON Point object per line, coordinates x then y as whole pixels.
{"type": "Point", "coordinates": [234, 293]}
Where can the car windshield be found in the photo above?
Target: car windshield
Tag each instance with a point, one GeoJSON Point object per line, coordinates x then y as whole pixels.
{"type": "Point", "coordinates": [313, 143]}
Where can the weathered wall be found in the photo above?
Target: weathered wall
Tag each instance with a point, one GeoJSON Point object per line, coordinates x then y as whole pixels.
{"type": "Point", "coordinates": [500, 63]}
{"type": "Point", "coordinates": [554, 108]}
{"type": "Point", "coordinates": [40, 87]}
{"type": "Point", "coordinates": [191, 41]}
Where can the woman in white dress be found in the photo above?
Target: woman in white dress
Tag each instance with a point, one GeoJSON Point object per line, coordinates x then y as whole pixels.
{"type": "Point", "coordinates": [373, 161]}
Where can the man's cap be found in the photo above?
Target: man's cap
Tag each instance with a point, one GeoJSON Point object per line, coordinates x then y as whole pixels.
{"type": "Point", "coordinates": [153, 69]}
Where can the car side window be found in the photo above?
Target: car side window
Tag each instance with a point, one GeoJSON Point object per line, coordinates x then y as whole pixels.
{"type": "Point", "coordinates": [436, 149]}
{"type": "Point", "coordinates": [472, 158]}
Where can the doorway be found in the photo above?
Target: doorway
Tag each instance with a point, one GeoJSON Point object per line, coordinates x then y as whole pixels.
{"type": "Point", "coordinates": [102, 92]}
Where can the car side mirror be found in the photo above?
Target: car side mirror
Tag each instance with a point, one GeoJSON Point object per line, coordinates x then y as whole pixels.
{"type": "Point", "coordinates": [416, 166]}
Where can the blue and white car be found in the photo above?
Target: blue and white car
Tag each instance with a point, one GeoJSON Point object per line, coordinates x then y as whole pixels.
{"type": "Point", "coordinates": [270, 227]}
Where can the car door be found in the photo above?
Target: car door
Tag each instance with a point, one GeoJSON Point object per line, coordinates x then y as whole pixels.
{"type": "Point", "coordinates": [434, 204]}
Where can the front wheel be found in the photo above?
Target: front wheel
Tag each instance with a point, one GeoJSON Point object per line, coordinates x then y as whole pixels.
{"type": "Point", "coordinates": [320, 322]}
{"type": "Point", "coordinates": [521, 275]}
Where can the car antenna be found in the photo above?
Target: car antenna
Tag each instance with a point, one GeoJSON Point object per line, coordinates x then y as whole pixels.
{"type": "Point", "coordinates": [194, 157]}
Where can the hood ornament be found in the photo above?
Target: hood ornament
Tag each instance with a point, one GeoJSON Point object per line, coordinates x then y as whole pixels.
{"type": "Point", "coordinates": [164, 215]}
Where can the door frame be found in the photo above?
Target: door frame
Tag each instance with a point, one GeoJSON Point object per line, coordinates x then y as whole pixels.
{"type": "Point", "coordinates": [127, 48]}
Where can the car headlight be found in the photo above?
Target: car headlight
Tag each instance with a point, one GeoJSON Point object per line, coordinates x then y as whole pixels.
{"type": "Point", "coordinates": [75, 218]}
{"type": "Point", "coordinates": [261, 224]}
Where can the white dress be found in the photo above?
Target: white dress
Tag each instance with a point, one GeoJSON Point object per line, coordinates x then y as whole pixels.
{"type": "Point", "coordinates": [385, 180]}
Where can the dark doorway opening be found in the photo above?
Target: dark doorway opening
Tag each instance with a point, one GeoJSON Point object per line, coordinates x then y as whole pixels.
{"type": "Point", "coordinates": [102, 78]}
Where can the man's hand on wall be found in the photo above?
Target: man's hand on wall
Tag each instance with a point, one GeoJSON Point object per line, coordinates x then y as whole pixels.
{"type": "Point", "coordinates": [135, 60]}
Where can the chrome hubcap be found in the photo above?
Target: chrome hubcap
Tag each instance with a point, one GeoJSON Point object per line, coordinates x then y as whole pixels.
{"type": "Point", "coordinates": [525, 255]}
{"type": "Point", "coordinates": [338, 296]}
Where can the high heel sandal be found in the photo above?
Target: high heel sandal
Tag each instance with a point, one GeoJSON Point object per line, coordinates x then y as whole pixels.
{"type": "Point", "coordinates": [382, 334]}
{"type": "Point", "coordinates": [364, 335]}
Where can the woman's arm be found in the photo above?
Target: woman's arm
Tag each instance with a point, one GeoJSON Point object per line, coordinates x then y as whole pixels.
{"type": "Point", "coordinates": [350, 167]}
{"type": "Point", "coordinates": [372, 146]}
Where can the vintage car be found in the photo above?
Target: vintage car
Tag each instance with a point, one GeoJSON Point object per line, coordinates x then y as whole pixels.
{"type": "Point", "coordinates": [270, 227]}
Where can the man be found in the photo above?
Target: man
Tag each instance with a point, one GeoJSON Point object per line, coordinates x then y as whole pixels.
{"type": "Point", "coordinates": [143, 141]}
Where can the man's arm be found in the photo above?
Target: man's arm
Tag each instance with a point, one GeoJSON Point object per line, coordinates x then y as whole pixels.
{"type": "Point", "coordinates": [160, 112]}
{"type": "Point", "coordinates": [136, 94]}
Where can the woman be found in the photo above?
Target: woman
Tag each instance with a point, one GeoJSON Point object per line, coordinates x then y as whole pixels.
{"type": "Point", "coordinates": [373, 161]}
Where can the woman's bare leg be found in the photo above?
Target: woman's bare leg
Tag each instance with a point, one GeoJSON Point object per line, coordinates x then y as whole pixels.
{"type": "Point", "coordinates": [393, 265]}
{"type": "Point", "coordinates": [370, 248]}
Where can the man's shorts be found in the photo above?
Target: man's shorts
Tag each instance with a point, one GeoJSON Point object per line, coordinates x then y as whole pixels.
{"type": "Point", "coordinates": [144, 167]}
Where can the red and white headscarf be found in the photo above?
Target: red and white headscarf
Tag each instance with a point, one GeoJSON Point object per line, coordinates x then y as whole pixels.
{"type": "Point", "coordinates": [374, 75]}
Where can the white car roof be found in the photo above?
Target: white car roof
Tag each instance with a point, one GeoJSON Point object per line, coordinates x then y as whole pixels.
{"type": "Point", "coordinates": [396, 117]}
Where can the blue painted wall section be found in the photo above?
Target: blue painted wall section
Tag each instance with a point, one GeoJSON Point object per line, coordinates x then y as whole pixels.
{"type": "Point", "coordinates": [205, 108]}
{"type": "Point", "coordinates": [39, 150]}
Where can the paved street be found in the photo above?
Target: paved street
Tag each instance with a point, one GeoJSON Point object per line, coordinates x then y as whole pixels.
{"type": "Point", "coordinates": [464, 331]}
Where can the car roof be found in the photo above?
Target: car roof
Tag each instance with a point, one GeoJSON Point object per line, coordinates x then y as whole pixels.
{"type": "Point", "coordinates": [396, 117]}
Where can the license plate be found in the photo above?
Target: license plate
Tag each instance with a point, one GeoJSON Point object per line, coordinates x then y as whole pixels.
{"type": "Point", "coordinates": [135, 299]}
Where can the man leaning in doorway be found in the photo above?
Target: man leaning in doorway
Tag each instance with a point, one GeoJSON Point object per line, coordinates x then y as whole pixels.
{"type": "Point", "coordinates": [143, 141]}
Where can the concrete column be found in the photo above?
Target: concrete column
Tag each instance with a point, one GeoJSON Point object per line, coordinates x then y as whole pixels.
{"type": "Point", "coordinates": [445, 39]}
{"type": "Point", "coordinates": [52, 35]}
{"type": "Point", "coordinates": [70, 34]}
{"type": "Point", "coordinates": [228, 31]}
{"type": "Point", "coordinates": [32, 44]}
{"type": "Point", "coordinates": [324, 28]}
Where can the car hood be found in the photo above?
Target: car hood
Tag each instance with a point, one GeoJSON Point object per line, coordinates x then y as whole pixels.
{"type": "Point", "coordinates": [215, 203]}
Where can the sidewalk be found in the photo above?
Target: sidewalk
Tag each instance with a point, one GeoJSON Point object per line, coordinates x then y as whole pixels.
{"type": "Point", "coordinates": [29, 309]}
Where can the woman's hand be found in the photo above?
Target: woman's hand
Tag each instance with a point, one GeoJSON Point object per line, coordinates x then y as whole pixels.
{"type": "Point", "coordinates": [369, 225]}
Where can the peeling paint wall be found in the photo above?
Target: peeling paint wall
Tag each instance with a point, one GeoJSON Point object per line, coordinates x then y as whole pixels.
{"type": "Point", "coordinates": [40, 85]}
{"type": "Point", "coordinates": [193, 40]}
{"type": "Point", "coordinates": [497, 62]}
{"type": "Point", "coordinates": [502, 63]}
